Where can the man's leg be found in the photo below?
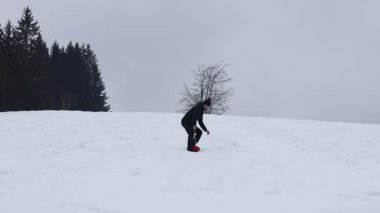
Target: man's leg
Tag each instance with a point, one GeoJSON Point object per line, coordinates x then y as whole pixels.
{"type": "Point", "coordinates": [190, 139]}
{"type": "Point", "coordinates": [198, 136]}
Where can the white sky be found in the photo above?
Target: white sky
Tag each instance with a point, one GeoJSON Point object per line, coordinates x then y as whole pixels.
{"type": "Point", "coordinates": [316, 59]}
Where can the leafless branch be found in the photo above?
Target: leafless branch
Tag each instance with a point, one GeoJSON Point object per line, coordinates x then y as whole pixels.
{"type": "Point", "coordinates": [209, 81]}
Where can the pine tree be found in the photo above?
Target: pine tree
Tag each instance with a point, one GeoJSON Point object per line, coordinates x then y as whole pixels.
{"type": "Point", "coordinates": [40, 75]}
{"type": "Point", "coordinates": [56, 81]}
{"type": "Point", "coordinates": [97, 94]}
{"type": "Point", "coordinates": [9, 43]}
{"type": "Point", "coordinates": [9, 82]}
{"type": "Point", "coordinates": [3, 73]}
{"type": "Point", "coordinates": [82, 80]}
{"type": "Point", "coordinates": [67, 96]}
{"type": "Point", "coordinates": [32, 60]}
{"type": "Point", "coordinates": [27, 33]}
{"type": "Point", "coordinates": [1, 37]}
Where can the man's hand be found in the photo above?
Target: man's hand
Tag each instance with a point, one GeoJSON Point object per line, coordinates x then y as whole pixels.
{"type": "Point", "coordinates": [208, 132]}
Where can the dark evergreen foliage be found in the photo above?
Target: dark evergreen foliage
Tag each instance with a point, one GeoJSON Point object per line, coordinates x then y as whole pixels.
{"type": "Point", "coordinates": [34, 78]}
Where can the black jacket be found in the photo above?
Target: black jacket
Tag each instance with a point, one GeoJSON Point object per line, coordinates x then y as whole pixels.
{"type": "Point", "coordinates": [193, 115]}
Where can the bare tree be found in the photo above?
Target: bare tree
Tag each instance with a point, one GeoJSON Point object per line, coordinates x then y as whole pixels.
{"type": "Point", "coordinates": [209, 81]}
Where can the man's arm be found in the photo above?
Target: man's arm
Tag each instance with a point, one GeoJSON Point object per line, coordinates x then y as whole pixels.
{"type": "Point", "coordinates": [200, 121]}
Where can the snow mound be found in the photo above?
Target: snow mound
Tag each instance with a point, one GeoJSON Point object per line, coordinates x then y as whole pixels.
{"type": "Point", "coordinates": [57, 161]}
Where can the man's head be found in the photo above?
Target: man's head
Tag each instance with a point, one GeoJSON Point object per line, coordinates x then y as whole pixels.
{"type": "Point", "coordinates": [207, 103]}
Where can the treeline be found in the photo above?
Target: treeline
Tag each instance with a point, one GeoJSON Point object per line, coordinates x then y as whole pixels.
{"type": "Point", "coordinates": [32, 77]}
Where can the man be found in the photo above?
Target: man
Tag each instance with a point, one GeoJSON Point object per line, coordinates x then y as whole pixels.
{"type": "Point", "coordinates": [189, 122]}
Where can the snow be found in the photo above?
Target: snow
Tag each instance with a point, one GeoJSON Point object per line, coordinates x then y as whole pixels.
{"type": "Point", "coordinates": [81, 162]}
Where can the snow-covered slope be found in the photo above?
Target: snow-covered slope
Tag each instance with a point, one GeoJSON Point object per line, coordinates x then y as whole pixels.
{"type": "Point", "coordinates": [52, 162]}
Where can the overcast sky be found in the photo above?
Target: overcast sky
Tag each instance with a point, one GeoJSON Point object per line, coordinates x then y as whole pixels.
{"type": "Point", "coordinates": [303, 59]}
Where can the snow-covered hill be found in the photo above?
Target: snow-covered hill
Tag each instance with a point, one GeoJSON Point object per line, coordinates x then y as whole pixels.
{"type": "Point", "coordinates": [76, 162]}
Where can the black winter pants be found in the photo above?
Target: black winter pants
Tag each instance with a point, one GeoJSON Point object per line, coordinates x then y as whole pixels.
{"type": "Point", "coordinates": [191, 141]}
